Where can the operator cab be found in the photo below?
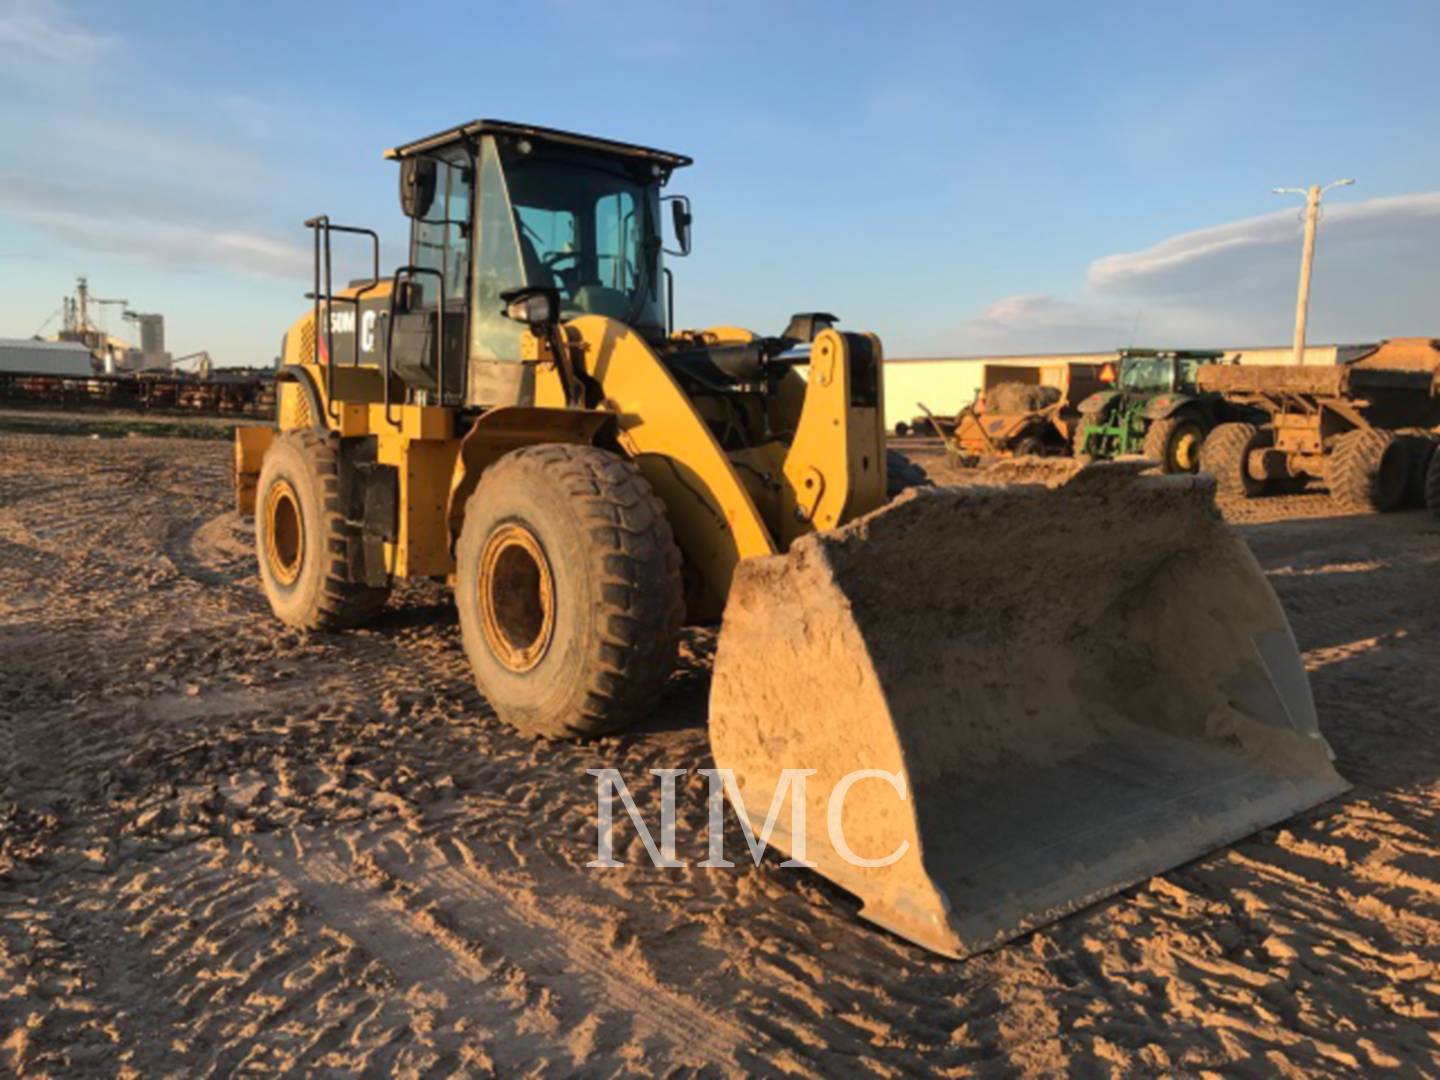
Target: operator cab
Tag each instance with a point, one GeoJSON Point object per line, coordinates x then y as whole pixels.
{"type": "Point", "coordinates": [498, 208]}
{"type": "Point", "coordinates": [1156, 371]}
{"type": "Point", "coordinates": [554, 209]}
{"type": "Point", "coordinates": [495, 207]}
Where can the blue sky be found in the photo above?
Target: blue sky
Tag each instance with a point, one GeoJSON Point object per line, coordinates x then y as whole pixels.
{"type": "Point", "coordinates": [959, 178]}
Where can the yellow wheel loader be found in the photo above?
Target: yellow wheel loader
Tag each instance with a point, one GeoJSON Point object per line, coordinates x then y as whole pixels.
{"type": "Point", "coordinates": [995, 709]}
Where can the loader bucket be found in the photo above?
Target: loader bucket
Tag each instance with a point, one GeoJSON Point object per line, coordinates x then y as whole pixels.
{"type": "Point", "coordinates": [1076, 676]}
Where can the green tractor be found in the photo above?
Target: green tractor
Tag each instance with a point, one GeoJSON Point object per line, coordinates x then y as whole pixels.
{"type": "Point", "coordinates": [1153, 409]}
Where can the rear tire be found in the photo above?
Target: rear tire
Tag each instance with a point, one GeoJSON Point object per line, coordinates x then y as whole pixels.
{"type": "Point", "coordinates": [1174, 443]}
{"type": "Point", "coordinates": [1432, 485]}
{"type": "Point", "coordinates": [1029, 446]}
{"type": "Point", "coordinates": [569, 590]}
{"type": "Point", "coordinates": [902, 473]}
{"type": "Point", "coordinates": [1419, 452]}
{"type": "Point", "coordinates": [1367, 471]}
{"type": "Point", "coordinates": [1225, 455]}
{"type": "Point", "coordinates": [303, 541]}
{"type": "Point", "coordinates": [1078, 438]}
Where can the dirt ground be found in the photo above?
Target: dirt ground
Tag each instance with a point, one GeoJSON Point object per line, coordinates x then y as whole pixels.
{"type": "Point", "coordinates": [225, 847]}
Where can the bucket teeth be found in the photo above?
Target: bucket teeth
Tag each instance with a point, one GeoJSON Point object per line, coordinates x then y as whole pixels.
{"type": "Point", "coordinates": [1017, 698]}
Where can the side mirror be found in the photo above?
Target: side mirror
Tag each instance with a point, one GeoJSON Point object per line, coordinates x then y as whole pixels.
{"type": "Point", "coordinates": [537, 306]}
{"type": "Point", "coordinates": [417, 186]}
{"type": "Point", "coordinates": [680, 219]}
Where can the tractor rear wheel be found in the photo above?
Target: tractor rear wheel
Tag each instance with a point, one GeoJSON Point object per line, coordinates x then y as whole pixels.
{"type": "Point", "coordinates": [303, 539]}
{"type": "Point", "coordinates": [1173, 443]}
{"type": "Point", "coordinates": [569, 591]}
{"type": "Point", "coordinates": [1080, 437]}
{"type": "Point", "coordinates": [1367, 471]}
{"type": "Point", "coordinates": [1225, 456]}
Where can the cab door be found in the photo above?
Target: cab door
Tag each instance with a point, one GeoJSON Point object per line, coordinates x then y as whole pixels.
{"type": "Point", "coordinates": [432, 290]}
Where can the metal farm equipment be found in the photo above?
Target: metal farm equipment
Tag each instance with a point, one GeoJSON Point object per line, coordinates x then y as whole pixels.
{"type": "Point", "coordinates": [1367, 429]}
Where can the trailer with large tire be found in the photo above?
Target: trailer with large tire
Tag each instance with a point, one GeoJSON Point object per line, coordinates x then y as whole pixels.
{"type": "Point", "coordinates": [1366, 429]}
{"type": "Point", "coordinates": [1027, 410]}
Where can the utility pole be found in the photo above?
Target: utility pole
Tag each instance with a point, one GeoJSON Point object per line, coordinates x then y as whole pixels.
{"type": "Point", "coordinates": [1312, 196]}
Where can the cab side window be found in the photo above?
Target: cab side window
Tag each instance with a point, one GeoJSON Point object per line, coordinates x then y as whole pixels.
{"type": "Point", "coordinates": [1185, 376]}
{"type": "Point", "coordinates": [441, 239]}
{"type": "Point", "coordinates": [615, 239]}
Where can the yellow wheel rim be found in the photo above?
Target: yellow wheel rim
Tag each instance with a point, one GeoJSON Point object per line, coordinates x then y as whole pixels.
{"type": "Point", "coordinates": [284, 533]}
{"type": "Point", "coordinates": [517, 597]}
{"type": "Point", "coordinates": [1187, 451]}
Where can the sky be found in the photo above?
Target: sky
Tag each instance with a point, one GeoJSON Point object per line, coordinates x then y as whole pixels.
{"type": "Point", "coordinates": [959, 178]}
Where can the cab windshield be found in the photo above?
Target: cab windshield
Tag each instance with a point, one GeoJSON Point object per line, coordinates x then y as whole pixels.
{"type": "Point", "coordinates": [1147, 374]}
{"type": "Point", "coordinates": [588, 229]}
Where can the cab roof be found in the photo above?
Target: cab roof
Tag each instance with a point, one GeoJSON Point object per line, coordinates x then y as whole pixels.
{"type": "Point", "coordinates": [1182, 354]}
{"type": "Point", "coordinates": [476, 128]}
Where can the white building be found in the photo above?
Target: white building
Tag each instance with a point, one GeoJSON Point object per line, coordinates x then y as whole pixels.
{"type": "Point", "coordinates": [45, 357]}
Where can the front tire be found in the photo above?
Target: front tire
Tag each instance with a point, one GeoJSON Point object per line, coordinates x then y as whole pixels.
{"type": "Point", "coordinates": [569, 591]}
{"type": "Point", "coordinates": [303, 540]}
{"type": "Point", "coordinates": [1174, 443]}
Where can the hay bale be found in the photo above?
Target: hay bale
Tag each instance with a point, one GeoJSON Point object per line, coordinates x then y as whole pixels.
{"type": "Point", "coordinates": [1019, 397]}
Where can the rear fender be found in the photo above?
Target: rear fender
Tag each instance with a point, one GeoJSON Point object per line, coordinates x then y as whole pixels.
{"type": "Point", "coordinates": [299, 404]}
{"type": "Point", "coordinates": [1097, 403]}
{"type": "Point", "coordinates": [251, 445]}
{"type": "Point", "coordinates": [1165, 405]}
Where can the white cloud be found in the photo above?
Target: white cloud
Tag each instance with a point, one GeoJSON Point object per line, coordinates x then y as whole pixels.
{"type": "Point", "coordinates": [1037, 322]}
{"type": "Point", "coordinates": [100, 220]}
{"type": "Point", "coordinates": [1376, 275]}
{"type": "Point", "coordinates": [46, 28]}
{"type": "Point", "coordinates": [1191, 259]}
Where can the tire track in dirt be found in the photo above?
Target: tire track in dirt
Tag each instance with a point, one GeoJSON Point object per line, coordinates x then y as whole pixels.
{"type": "Point", "coordinates": [189, 913]}
{"type": "Point", "coordinates": [432, 917]}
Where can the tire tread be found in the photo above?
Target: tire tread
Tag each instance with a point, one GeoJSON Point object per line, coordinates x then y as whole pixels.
{"type": "Point", "coordinates": [1223, 456]}
{"type": "Point", "coordinates": [1353, 470]}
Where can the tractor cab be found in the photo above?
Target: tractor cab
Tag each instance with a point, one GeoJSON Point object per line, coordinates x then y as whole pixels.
{"type": "Point", "coordinates": [1154, 371]}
